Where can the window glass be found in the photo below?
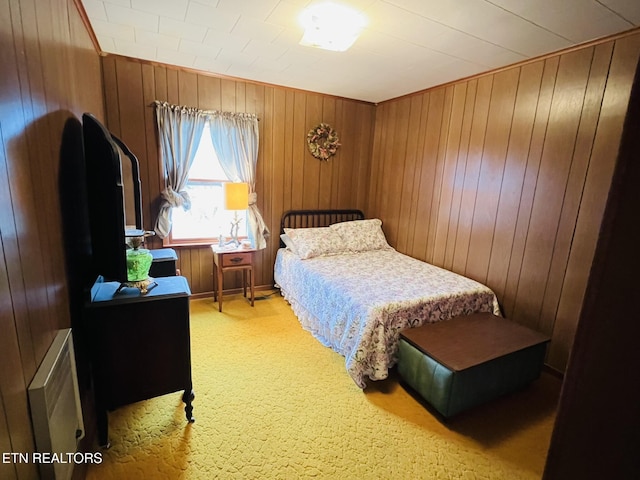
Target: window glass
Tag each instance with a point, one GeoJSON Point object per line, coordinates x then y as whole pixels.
{"type": "Point", "coordinates": [207, 219]}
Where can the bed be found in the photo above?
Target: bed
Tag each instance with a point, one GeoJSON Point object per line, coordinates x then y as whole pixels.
{"type": "Point", "coordinates": [355, 293]}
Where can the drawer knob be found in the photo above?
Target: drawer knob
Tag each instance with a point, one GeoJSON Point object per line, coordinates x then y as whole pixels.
{"type": "Point", "coordinates": [236, 259]}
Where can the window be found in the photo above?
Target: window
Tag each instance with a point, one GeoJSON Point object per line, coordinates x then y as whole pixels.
{"type": "Point", "coordinates": [207, 219]}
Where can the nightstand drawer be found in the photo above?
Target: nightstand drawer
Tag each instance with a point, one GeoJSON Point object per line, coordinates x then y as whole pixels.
{"type": "Point", "coordinates": [236, 258]}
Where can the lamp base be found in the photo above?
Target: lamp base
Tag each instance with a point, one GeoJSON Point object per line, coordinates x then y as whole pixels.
{"type": "Point", "coordinates": [143, 285]}
{"type": "Point", "coordinates": [235, 226]}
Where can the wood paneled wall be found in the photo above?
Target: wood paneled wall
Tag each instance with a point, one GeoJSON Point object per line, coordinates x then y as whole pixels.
{"type": "Point", "coordinates": [50, 75]}
{"type": "Point", "coordinates": [288, 177]}
{"type": "Point", "coordinates": [504, 178]}
{"type": "Point", "coordinates": [501, 177]}
{"type": "Point", "coordinates": [605, 349]}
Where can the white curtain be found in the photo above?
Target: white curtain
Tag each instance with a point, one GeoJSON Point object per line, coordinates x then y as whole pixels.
{"type": "Point", "coordinates": [235, 139]}
{"type": "Point", "coordinates": [179, 130]}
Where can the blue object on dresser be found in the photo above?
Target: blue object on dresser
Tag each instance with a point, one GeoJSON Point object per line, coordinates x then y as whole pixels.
{"type": "Point", "coordinates": [164, 262]}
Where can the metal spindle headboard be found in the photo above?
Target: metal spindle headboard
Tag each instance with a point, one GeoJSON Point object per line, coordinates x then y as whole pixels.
{"type": "Point", "coordinates": [317, 218]}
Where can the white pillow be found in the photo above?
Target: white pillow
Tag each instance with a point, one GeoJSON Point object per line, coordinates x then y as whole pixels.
{"type": "Point", "coordinates": [362, 235]}
{"type": "Point", "coordinates": [288, 243]}
{"type": "Point", "coordinates": [315, 242]}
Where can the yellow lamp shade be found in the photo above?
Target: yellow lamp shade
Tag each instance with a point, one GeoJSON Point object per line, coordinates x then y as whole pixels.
{"type": "Point", "coordinates": [236, 196]}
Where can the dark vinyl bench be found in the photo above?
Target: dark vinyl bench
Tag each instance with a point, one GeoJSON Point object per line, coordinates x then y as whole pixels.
{"type": "Point", "coordinates": [468, 360]}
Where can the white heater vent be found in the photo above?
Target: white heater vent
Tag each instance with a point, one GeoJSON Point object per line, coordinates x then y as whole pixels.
{"type": "Point", "coordinates": [56, 411]}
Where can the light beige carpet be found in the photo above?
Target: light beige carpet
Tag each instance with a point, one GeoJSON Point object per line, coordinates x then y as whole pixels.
{"type": "Point", "coordinates": [272, 402]}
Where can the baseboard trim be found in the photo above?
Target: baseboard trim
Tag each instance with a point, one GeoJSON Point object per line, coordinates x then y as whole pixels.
{"type": "Point", "coordinates": [231, 291]}
{"type": "Point", "coordinates": [552, 371]}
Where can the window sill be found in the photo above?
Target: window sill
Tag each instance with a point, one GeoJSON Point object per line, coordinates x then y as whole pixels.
{"type": "Point", "coordinates": [198, 243]}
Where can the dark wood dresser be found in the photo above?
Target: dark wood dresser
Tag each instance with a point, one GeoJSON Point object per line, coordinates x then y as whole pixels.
{"type": "Point", "coordinates": [139, 345]}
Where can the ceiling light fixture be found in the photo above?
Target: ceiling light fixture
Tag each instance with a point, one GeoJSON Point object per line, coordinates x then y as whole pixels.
{"type": "Point", "coordinates": [331, 26]}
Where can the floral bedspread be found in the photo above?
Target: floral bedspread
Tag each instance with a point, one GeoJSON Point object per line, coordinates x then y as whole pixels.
{"type": "Point", "coordinates": [358, 303]}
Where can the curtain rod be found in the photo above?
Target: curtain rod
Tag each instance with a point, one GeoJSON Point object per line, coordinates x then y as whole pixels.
{"type": "Point", "coordinates": [206, 112]}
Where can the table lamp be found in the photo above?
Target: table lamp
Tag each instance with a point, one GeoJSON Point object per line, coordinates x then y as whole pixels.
{"type": "Point", "coordinates": [236, 197]}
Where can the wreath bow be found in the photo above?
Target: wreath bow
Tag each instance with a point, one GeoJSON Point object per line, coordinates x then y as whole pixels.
{"type": "Point", "coordinates": [323, 141]}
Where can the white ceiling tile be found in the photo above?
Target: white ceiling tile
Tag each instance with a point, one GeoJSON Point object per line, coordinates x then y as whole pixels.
{"type": "Point", "coordinates": [208, 3]}
{"type": "Point", "coordinates": [590, 21]}
{"type": "Point", "coordinates": [301, 3]}
{"type": "Point", "coordinates": [132, 18]}
{"type": "Point", "coordinates": [122, 3]}
{"type": "Point", "coordinates": [469, 48]}
{"type": "Point", "coordinates": [462, 69]}
{"type": "Point", "coordinates": [390, 48]}
{"type": "Point", "coordinates": [176, 9]}
{"type": "Point", "coordinates": [240, 70]}
{"type": "Point", "coordinates": [95, 9]}
{"type": "Point", "coordinates": [211, 17]}
{"type": "Point", "coordinates": [228, 41]}
{"type": "Point", "coordinates": [153, 39]}
{"type": "Point", "coordinates": [408, 45]}
{"type": "Point", "coordinates": [259, 9]}
{"type": "Point", "coordinates": [266, 65]}
{"type": "Point", "coordinates": [132, 49]}
{"type": "Point", "coordinates": [107, 45]}
{"type": "Point", "coordinates": [627, 9]}
{"type": "Point", "coordinates": [264, 51]}
{"type": "Point", "coordinates": [432, 59]}
{"type": "Point", "coordinates": [285, 14]}
{"type": "Point", "coordinates": [257, 30]}
{"type": "Point", "coordinates": [176, 28]}
{"type": "Point", "coordinates": [402, 24]}
{"type": "Point", "coordinates": [198, 49]}
{"type": "Point", "coordinates": [173, 57]}
{"type": "Point", "coordinates": [584, 30]}
{"type": "Point", "coordinates": [362, 5]}
{"type": "Point", "coordinates": [524, 37]}
{"type": "Point", "coordinates": [290, 38]}
{"type": "Point", "coordinates": [455, 13]}
{"type": "Point", "coordinates": [382, 43]}
{"type": "Point", "coordinates": [492, 23]}
{"type": "Point", "coordinates": [576, 20]}
{"type": "Point", "coordinates": [298, 59]}
{"type": "Point", "coordinates": [211, 65]}
{"type": "Point", "coordinates": [235, 58]}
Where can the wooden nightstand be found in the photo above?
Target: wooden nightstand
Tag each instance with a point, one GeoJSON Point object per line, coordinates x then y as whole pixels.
{"type": "Point", "coordinates": [229, 260]}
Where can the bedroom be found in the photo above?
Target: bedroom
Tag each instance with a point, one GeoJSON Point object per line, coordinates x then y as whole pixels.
{"type": "Point", "coordinates": [51, 50]}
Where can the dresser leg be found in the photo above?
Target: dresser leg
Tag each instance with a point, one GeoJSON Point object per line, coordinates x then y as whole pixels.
{"type": "Point", "coordinates": [102, 420]}
{"type": "Point", "coordinates": [187, 398]}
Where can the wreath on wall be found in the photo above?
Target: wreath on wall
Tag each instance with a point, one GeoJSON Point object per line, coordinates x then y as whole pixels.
{"type": "Point", "coordinates": [323, 141]}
